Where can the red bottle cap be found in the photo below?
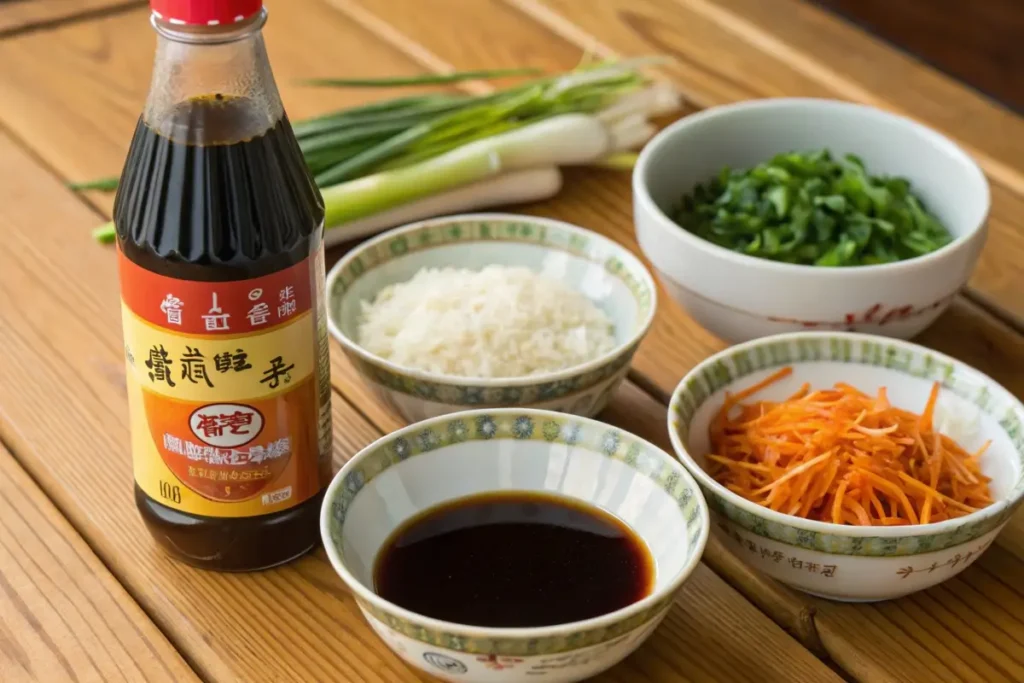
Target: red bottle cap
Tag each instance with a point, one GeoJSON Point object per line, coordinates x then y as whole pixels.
{"type": "Point", "coordinates": [204, 12]}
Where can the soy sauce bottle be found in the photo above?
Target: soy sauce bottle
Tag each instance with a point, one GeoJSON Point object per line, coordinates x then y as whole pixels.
{"type": "Point", "coordinates": [219, 234]}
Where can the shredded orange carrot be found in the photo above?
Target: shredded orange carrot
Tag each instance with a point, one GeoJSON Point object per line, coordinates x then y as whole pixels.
{"type": "Point", "coordinates": [839, 455]}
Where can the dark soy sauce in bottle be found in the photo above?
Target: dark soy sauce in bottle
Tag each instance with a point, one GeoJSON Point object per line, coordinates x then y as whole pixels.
{"type": "Point", "coordinates": [219, 228]}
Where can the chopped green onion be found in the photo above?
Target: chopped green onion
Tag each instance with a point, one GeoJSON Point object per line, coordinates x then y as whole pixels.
{"type": "Point", "coordinates": [808, 208]}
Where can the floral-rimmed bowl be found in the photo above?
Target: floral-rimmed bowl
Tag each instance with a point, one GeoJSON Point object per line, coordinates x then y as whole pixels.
{"type": "Point", "coordinates": [838, 561]}
{"type": "Point", "coordinates": [474, 452]}
{"type": "Point", "coordinates": [740, 297]}
{"type": "Point", "coordinates": [606, 273]}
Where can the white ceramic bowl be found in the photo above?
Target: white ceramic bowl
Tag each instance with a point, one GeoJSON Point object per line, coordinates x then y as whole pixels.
{"type": "Point", "coordinates": [740, 297]}
{"type": "Point", "coordinates": [475, 452]}
{"type": "Point", "coordinates": [605, 272]}
{"type": "Point", "coordinates": [839, 561]}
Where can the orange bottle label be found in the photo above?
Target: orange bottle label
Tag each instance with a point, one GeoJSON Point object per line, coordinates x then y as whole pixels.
{"type": "Point", "coordinates": [228, 389]}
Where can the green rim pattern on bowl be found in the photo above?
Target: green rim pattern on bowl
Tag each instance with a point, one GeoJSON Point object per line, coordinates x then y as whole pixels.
{"type": "Point", "coordinates": [477, 396]}
{"type": "Point", "coordinates": [464, 231]}
{"type": "Point", "coordinates": [517, 647]}
{"type": "Point", "coordinates": [847, 349]}
{"type": "Point", "coordinates": [565, 430]}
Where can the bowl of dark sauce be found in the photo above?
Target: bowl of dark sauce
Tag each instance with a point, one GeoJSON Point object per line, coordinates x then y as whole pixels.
{"type": "Point", "coordinates": [503, 545]}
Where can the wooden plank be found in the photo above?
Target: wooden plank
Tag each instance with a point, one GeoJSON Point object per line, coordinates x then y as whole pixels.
{"type": "Point", "coordinates": [637, 412]}
{"type": "Point", "coordinates": [975, 42]}
{"type": "Point", "coordinates": [81, 126]}
{"type": "Point", "coordinates": [295, 622]}
{"type": "Point", "coordinates": [20, 15]}
{"type": "Point", "coordinates": [56, 98]}
{"type": "Point", "coordinates": [676, 343]}
{"type": "Point", "coordinates": [1012, 537]}
{"type": "Point", "coordinates": [517, 36]}
{"type": "Point", "coordinates": [63, 616]}
{"type": "Point", "coordinates": [601, 201]}
{"type": "Point", "coordinates": [738, 49]}
{"type": "Point", "coordinates": [62, 378]}
{"type": "Point", "coordinates": [966, 629]}
{"type": "Point", "coordinates": [730, 50]}
{"type": "Point", "coordinates": [815, 43]}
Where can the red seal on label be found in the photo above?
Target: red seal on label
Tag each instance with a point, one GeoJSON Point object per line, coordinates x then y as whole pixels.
{"type": "Point", "coordinates": [229, 388]}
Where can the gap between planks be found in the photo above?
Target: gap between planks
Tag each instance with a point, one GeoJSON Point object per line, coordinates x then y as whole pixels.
{"type": "Point", "coordinates": [792, 68]}
{"type": "Point", "coordinates": [753, 34]}
{"type": "Point", "coordinates": [563, 29]}
{"type": "Point", "coordinates": [28, 16]}
{"type": "Point", "coordinates": [67, 496]}
{"type": "Point", "coordinates": [852, 657]}
{"type": "Point", "coordinates": [792, 613]}
{"type": "Point", "coordinates": [63, 614]}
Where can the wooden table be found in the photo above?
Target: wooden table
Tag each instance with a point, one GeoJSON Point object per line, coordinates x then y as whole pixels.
{"type": "Point", "coordinates": [84, 593]}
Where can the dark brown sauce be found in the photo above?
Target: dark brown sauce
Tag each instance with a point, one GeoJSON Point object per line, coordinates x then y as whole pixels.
{"type": "Point", "coordinates": [231, 208]}
{"type": "Point", "coordinates": [513, 559]}
{"type": "Point", "coordinates": [195, 202]}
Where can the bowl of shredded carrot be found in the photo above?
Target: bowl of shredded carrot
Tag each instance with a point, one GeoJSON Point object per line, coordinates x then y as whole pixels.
{"type": "Point", "coordinates": [851, 466]}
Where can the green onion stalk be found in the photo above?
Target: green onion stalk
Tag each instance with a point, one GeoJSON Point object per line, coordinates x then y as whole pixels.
{"type": "Point", "coordinates": [376, 157]}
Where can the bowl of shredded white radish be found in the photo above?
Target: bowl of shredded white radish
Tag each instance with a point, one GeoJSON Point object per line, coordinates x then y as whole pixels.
{"type": "Point", "coordinates": [490, 310]}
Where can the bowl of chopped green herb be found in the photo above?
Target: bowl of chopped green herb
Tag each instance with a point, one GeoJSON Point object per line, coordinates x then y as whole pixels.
{"type": "Point", "coordinates": [789, 214]}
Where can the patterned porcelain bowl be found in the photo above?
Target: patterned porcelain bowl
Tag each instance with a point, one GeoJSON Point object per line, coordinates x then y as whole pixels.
{"type": "Point", "coordinates": [519, 450]}
{"type": "Point", "coordinates": [740, 297]}
{"type": "Point", "coordinates": [844, 562]}
{"type": "Point", "coordinates": [475, 452]}
{"type": "Point", "coordinates": [608, 274]}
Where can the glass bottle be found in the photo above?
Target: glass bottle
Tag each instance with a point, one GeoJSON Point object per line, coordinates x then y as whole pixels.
{"type": "Point", "coordinates": [219, 234]}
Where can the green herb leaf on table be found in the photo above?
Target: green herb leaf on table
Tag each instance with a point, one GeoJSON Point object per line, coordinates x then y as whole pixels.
{"type": "Point", "coordinates": [102, 184]}
{"type": "Point", "coordinates": [808, 208]}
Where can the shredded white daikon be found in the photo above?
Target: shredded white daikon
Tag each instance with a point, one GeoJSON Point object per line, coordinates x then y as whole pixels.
{"type": "Point", "coordinates": [497, 322]}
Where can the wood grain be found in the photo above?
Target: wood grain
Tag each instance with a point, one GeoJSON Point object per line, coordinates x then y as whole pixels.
{"type": "Point", "coordinates": [601, 201]}
{"type": "Point", "coordinates": [20, 15]}
{"type": "Point", "coordinates": [637, 412]}
{"type": "Point", "coordinates": [63, 616]}
{"type": "Point", "coordinates": [729, 50]}
{"type": "Point", "coordinates": [631, 408]}
{"type": "Point", "coordinates": [312, 597]}
{"type": "Point", "coordinates": [81, 126]}
{"type": "Point", "coordinates": [65, 416]}
{"type": "Point", "coordinates": [977, 42]}
{"type": "Point", "coordinates": [966, 629]}
{"type": "Point", "coordinates": [64, 376]}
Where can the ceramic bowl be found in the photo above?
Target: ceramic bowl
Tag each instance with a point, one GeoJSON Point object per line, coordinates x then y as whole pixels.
{"type": "Point", "coordinates": [740, 297]}
{"type": "Point", "coordinates": [839, 561]}
{"type": "Point", "coordinates": [474, 452]}
{"type": "Point", "coordinates": [606, 273]}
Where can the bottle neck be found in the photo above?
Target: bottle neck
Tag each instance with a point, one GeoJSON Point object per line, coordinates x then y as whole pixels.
{"type": "Point", "coordinates": [207, 64]}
